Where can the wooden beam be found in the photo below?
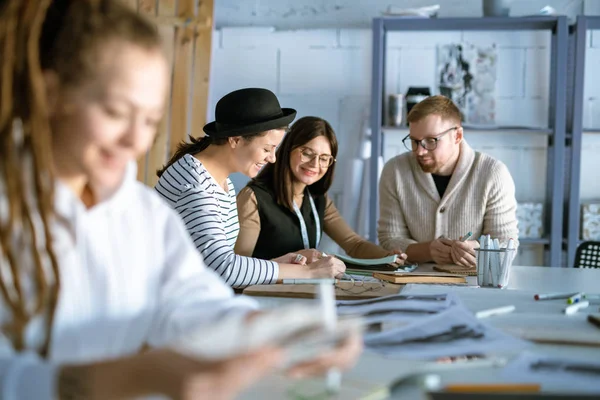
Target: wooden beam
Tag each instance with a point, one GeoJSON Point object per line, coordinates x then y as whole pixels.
{"type": "Point", "coordinates": [159, 153]}
{"type": "Point", "coordinates": [184, 21]}
{"type": "Point", "coordinates": [166, 8]}
{"type": "Point", "coordinates": [147, 7]}
{"type": "Point", "coordinates": [202, 57]}
{"type": "Point", "coordinates": [131, 3]}
{"type": "Point", "coordinates": [181, 86]}
{"type": "Point", "coordinates": [188, 40]}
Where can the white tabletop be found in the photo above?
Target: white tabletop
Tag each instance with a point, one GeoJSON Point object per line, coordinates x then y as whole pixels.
{"type": "Point", "coordinates": [531, 316]}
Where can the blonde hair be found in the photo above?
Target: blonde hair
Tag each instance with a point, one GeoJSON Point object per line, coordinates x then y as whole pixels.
{"type": "Point", "coordinates": [64, 36]}
{"type": "Point", "coordinates": [435, 105]}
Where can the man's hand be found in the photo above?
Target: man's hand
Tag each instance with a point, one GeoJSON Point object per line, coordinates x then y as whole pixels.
{"type": "Point", "coordinates": [440, 250]}
{"type": "Point", "coordinates": [463, 253]}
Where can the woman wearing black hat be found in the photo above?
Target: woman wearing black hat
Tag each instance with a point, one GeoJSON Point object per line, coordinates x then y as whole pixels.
{"type": "Point", "coordinates": [249, 126]}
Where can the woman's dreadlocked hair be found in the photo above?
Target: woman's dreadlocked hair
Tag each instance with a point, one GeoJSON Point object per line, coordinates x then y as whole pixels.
{"type": "Point", "coordinates": [66, 37]}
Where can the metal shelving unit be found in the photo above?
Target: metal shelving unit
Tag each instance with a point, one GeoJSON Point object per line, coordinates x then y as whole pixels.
{"type": "Point", "coordinates": [575, 136]}
{"type": "Point", "coordinates": [557, 106]}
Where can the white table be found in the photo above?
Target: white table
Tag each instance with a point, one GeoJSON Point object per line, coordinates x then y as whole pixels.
{"type": "Point", "coordinates": [374, 370]}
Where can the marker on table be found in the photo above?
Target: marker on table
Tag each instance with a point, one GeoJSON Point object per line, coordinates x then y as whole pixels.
{"type": "Point", "coordinates": [492, 387]}
{"type": "Point", "coordinates": [495, 311]}
{"type": "Point", "coordinates": [594, 320]}
{"type": "Point", "coordinates": [575, 298]}
{"type": "Point", "coordinates": [329, 281]}
{"type": "Point", "coordinates": [573, 308]}
{"type": "Point", "coordinates": [591, 296]}
{"type": "Point", "coordinates": [553, 296]}
{"type": "Point", "coordinates": [466, 237]}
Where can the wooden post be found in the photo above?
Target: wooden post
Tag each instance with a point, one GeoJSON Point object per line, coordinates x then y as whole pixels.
{"type": "Point", "coordinates": [159, 153]}
{"type": "Point", "coordinates": [147, 7]}
{"type": "Point", "coordinates": [202, 55]}
{"type": "Point", "coordinates": [187, 36]}
{"type": "Point", "coordinates": [131, 3]}
{"type": "Point", "coordinates": [180, 106]}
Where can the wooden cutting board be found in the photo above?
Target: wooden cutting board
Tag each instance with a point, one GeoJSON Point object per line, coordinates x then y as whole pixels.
{"type": "Point", "coordinates": [343, 290]}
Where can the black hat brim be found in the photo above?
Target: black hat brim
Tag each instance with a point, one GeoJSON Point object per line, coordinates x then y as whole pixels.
{"type": "Point", "coordinates": [288, 116]}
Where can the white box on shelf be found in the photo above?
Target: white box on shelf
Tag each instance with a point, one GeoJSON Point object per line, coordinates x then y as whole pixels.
{"type": "Point", "coordinates": [530, 217]}
{"type": "Point", "coordinates": [590, 221]}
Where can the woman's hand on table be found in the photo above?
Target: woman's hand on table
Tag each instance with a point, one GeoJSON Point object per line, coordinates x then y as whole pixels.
{"type": "Point", "coordinates": [291, 258]}
{"type": "Point", "coordinates": [327, 267]}
{"type": "Point", "coordinates": [311, 255]}
{"type": "Point", "coordinates": [401, 257]}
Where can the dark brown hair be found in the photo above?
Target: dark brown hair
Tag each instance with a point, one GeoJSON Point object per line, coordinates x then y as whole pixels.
{"type": "Point", "coordinates": [198, 145]}
{"type": "Point", "coordinates": [279, 175]}
{"type": "Point", "coordinates": [435, 105]}
{"type": "Point", "coordinates": [67, 37]}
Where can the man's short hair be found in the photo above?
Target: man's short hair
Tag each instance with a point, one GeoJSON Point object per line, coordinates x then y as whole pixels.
{"type": "Point", "coordinates": [435, 105]}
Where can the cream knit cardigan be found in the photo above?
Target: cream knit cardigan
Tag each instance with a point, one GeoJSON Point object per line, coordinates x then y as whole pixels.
{"type": "Point", "coordinates": [480, 198]}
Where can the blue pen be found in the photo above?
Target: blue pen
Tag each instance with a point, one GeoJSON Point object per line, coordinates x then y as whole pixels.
{"type": "Point", "coordinates": [466, 237]}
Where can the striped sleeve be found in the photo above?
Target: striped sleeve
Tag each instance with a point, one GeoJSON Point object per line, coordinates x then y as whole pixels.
{"type": "Point", "coordinates": [200, 213]}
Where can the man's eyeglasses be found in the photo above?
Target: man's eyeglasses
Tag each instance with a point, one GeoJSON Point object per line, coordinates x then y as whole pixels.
{"type": "Point", "coordinates": [427, 143]}
{"type": "Point", "coordinates": [307, 156]}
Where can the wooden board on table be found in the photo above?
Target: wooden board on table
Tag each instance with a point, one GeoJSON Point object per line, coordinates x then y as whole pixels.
{"type": "Point", "coordinates": [420, 277]}
{"type": "Point", "coordinates": [343, 290]}
{"type": "Point", "coordinates": [456, 269]}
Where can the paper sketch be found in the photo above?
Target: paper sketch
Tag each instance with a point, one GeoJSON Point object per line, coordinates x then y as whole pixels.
{"type": "Point", "coordinates": [453, 332]}
{"type": "Point", "coordinates": [467, 75]}
{"type": "Point", "coordinates": [555, 374]}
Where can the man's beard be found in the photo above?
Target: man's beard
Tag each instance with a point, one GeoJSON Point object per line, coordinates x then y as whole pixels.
{"type": "Point", "coordinates": [428, 168]}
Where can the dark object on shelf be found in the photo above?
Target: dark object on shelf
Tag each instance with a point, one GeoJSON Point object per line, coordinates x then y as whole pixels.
{"type": "Point", "coordinates": [496, 8]}
{"type": "Point", "coordinates": [415, 95]}
{"type": "Point", "coordinates": [588, 255]}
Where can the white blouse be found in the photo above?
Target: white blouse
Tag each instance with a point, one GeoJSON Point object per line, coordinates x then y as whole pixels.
{"type": "Point", "coordinates": [130, 276]}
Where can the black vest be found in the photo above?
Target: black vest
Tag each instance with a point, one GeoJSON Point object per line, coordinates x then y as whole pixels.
{"type": "Point", "coordinates": [279, 227]}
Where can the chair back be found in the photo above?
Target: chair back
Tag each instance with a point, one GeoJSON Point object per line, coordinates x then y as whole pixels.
{"type": "Point", "coordinates": [588, 255]}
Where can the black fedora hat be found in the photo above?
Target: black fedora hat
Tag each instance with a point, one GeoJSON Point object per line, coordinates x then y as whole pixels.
{"type": "Point", "coordinates": [248, 111]}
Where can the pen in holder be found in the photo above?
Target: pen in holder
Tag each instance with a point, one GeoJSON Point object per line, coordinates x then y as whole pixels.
{"type": "Point", "coordinates": [494, 263]}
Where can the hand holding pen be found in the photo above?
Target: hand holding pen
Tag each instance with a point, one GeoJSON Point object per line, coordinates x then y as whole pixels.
{"type": "Point", "coordinates": [462, 251]}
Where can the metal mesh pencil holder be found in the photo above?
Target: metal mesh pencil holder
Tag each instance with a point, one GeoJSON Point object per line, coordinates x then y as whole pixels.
{"type": "Point", "coordinates": [493, 267]}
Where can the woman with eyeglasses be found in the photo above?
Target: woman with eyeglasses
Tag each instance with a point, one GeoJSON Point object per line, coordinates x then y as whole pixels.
{"type": "Point", "coordinates": [249, 126]}
{"type": "Point", "coordinates": [286, 207]}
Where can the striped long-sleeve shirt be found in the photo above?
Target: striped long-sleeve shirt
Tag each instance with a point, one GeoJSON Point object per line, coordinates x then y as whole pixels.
{"type": "Point", "coordinates": [211, 218]}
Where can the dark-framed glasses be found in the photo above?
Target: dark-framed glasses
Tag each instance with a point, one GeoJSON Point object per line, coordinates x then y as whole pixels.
{"type": "Point", "coordinates": [307, 156]}
{"type": "Point", "coordinates": [427, 143]}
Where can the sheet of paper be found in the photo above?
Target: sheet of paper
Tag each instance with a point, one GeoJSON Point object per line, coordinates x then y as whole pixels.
{"type": "Point", "coordinates": [543, 321]}
{"type": "Point", "coordinates": [453, 332]}
{"type": "Point", "coordinates": [395, 303]}
{"type": "Point", "coordinates": [555, 374]}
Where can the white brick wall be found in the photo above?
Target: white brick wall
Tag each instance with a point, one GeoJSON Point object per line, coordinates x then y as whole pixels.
{"type": "Point", "coordinates": [327, 72]}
